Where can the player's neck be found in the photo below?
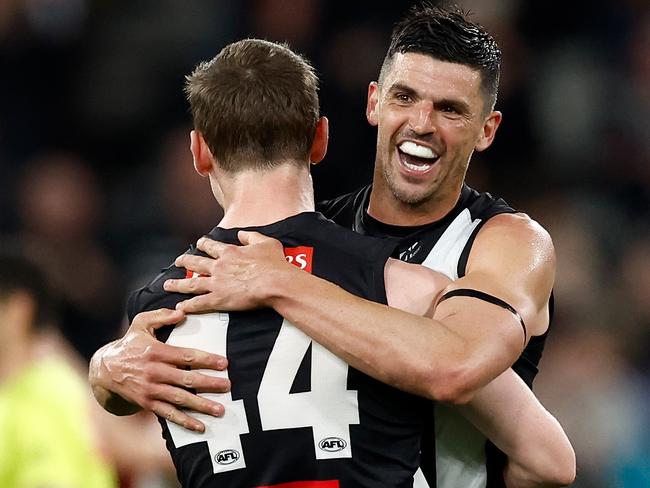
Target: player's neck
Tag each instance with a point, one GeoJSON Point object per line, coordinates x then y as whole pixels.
{"type": "Point", "coordinates": [384, 207]}
{"type": "Point", "coordinates": [256, 198]}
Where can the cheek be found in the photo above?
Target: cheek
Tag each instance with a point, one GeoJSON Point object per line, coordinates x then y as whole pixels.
{"type": "Point", "coordinates": [391, 124]}
{"type": "Point", "coordinates": [456, 135]}
{"type": "Point", "coordinates": [385, 131]}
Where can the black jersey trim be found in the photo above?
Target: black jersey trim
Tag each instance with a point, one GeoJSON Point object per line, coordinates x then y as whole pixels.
{"type": "Point", "coordinates": [468, 292]}
{"type": "Point", "coordinates": [464, 255]}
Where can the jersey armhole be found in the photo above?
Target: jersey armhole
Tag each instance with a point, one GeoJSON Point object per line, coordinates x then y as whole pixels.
{"type": "Point", "coordinates": [464, 255]}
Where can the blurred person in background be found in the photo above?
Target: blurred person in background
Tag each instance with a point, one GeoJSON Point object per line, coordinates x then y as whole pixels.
{"type": "Point", "coordinates": [595, 370]}
{"type": "Point", "coordinates": [157, 226]}
{"type": "Point", "coordinates": [51, 431]}
{"type": "Point", "coordinates": [46, 434]}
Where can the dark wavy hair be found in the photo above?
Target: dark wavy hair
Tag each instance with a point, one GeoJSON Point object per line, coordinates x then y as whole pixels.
{"type": "Point", "coordinates": [446, 33]}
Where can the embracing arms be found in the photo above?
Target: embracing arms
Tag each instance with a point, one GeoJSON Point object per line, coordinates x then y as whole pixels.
{"type": "Point", "coordinates": [466, 344]}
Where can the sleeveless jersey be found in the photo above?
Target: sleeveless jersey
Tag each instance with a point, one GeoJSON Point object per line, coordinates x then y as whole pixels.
{"type": "Point", "coordinates": [463, 456]}
{"type": "Point", "coordinates": [297, 416]}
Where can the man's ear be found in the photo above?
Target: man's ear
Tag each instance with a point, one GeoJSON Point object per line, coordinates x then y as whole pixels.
{"type": "Point", "coordinates": [488, 131]}
{"type": "Point", "coordinates": [201, 154]}
{"type": "Point", "coordinates": [319, 145]}
{"type": "Point", "coordinates": [371, 106]}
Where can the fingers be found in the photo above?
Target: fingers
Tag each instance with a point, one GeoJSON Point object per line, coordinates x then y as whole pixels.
{"type": "Point", "coordinates": [186, 357]}
{"type": "Point", "coordinates": [173, 414]}
{"type": "Point", "coordinates": [211, 247]}
{"type": "Point", "coordinates": [194, 286]}
{"type": "Point", "coordinates": [178, 397]}
{"type": "Point", "coordinates": [198, 264]}
{"type": "Point", "coordinates": [247, 237]}
{"type": "Point", "coordinates": [167, 400]}
{"type": "Point", "coordinates": [202, 383]}
{"type": "Point", "coordinates": [157, 318]}
{"type": "Point", "coordinates": [200, 303]}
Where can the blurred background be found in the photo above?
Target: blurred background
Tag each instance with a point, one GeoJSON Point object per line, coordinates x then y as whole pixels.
{"type": "Point", "coordinates": [95, 169]}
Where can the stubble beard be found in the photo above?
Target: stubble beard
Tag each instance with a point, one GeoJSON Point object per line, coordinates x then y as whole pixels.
{"type": "Point", "coordinates": [411, 198]}
{"type": "Point", "coordinates": [436, 191]}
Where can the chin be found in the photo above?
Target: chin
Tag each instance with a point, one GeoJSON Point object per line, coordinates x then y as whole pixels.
{"type": "Point", "coordinates": [411, 197]}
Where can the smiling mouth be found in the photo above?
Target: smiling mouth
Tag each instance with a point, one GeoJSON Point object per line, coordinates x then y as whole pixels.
{"type": "Point", "coordinates": [415, 158]}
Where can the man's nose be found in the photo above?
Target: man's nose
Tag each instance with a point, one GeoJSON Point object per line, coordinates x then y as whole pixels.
{"type": "Point", "coordinates": [423, 119]}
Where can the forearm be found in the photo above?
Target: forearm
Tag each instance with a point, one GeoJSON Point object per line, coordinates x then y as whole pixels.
{"type": "Point", "coordinates": [509, 414]}
{"type": "Point", "coordinates": [412, 353]}
{"type": "Point", "coordinates": [545, 457]}
{"type": "Point", "coordinates": [519, 476]}
{"type": "Point", "coordinates": [465, 345]}
{"type": "Point", "coordinates": [100, 385]}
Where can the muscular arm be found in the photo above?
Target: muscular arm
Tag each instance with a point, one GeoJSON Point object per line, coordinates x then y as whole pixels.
{"type": "Point", "coordinates": [401, 348]}
{"type": "Point", "coordinates": [505, 410]}
{"type": "Point", "coordinates": [466, 344]}
{"type": "Point", "coordinates": [508, 413]}
{"type": "Point", "coordinates": [418, 354]}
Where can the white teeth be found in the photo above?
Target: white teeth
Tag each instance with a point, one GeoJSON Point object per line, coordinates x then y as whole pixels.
{"type": "Point", "coordinates": [413, 149]}
{"type": "Point", "coordinates": [415, 167]}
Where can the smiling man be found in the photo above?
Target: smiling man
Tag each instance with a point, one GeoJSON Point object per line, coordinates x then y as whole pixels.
{"type": "Point", "coordinates": [432, 115]}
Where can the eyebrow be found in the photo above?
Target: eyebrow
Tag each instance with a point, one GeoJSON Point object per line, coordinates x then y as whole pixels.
{"type": "Point", "coordinates": [400, 87]}
{"type": "Point", "coordinates": [460, 106]}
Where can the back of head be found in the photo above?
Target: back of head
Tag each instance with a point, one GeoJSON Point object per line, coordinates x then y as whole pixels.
{"type": "Point", "coordinates": [447, 34]}
{"type": "Point", "coordinates": [18, 274]}
{"type": "Point", "coordinates": [256, 105]}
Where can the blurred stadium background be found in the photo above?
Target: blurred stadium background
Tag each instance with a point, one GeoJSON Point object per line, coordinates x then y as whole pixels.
{"type": "Point", "coordinates": [95, 167]}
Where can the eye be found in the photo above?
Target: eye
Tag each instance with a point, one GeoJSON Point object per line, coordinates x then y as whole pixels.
{"type": "Point", "coordinates": [448, 109]}
{"type": "Point", "coordinates": [403, 97]}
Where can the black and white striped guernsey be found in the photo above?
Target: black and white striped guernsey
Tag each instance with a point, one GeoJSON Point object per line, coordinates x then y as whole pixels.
{"type": "Point", "coordinates": [461, 456]}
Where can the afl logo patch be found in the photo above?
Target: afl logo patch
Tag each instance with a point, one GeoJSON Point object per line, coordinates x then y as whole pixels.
{"type": "Point", "coordinates": [332, 444]}
{"type": "Point", "coordinates": [227, 456]}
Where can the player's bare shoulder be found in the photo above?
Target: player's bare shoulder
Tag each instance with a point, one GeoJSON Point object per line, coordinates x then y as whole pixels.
{"type": "Point", "coordinates": [516, 254]}
{"type": "Point", "coordinates": [517, 231]}
{"type": "Point", "coordinates": [413, 288]}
